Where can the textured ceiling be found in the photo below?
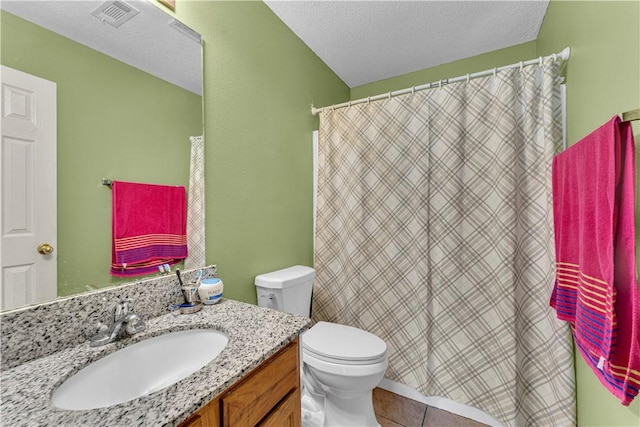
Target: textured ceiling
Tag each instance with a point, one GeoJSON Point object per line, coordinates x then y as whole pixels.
{"type": "Point", "coordinates": [146, 42]}
{"type": "Point", "coordinates": [366, 41]}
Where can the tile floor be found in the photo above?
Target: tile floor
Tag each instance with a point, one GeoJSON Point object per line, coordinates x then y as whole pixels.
{"type": "Point", "coordinates": [393, 410]}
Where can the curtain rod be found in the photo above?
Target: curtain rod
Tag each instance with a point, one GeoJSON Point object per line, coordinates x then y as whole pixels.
{"type": "Point", "coordinates": [564, 55]}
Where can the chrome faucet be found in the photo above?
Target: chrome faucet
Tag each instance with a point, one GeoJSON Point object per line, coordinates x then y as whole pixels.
{"type": "Point", "coordinates": [125, 322]}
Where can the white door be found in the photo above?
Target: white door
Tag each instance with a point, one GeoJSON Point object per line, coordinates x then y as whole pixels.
{"type": "Point", "coordinates": [28, 190]}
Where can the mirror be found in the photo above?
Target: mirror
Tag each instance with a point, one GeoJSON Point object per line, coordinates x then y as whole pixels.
{"type": "Point", "coordinates": [129, 97]}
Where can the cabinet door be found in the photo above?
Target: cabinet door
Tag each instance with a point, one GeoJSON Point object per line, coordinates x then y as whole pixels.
{"type": "Point", "coordinates": [194, 420]}
{"type": "Point", "coordinates": [286, 414]}
{"type": "Point", "coordinates": [256, 396]}
{"type": "Point", "coordinates": [207, 416]}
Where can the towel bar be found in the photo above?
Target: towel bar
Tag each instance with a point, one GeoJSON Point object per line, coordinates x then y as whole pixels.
{"type": "Point", "coordinates": [630, 116]}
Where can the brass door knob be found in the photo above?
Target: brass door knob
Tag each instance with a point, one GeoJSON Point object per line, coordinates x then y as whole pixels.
{"type": "Point", "coordinates": [45, 249]}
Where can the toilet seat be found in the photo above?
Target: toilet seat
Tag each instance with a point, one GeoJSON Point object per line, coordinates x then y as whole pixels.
{"type": "Point", "coordinates": [342, 362]}
{"type": "Point", "coordinates": [343, 345]}
{"type": "Point", "coordinates": [342, 369]}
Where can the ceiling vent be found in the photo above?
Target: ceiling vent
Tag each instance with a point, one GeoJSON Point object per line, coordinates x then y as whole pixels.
{"type": "Point", "coordinates": [115, 13]}
{"type": "Point", "coordinates": [179, 26]}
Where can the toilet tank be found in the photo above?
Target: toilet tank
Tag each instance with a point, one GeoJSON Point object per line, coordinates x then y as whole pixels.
{"type": "Point", "coordinates": [287, 290]}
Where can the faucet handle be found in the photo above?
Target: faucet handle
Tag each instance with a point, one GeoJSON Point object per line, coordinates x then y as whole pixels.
{"type": "Point", "coordinates": [121, 309]}
{"type": "Point", "coordinates": [117, 312]}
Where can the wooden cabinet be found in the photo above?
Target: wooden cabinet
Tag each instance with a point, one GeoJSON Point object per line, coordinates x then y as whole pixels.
{"type": "Point", "coordinates": [286, 414]}
{"type": "Point", "coordinates": [267, 396]}
{"type": "Point", "coordinates": [207, 416]}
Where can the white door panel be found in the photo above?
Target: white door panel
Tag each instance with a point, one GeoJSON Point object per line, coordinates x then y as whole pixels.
{"type": "Point", "coordinates": [28, 185]}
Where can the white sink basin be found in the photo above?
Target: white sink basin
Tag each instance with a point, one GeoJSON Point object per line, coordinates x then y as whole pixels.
{"type": "Point", "coordinates": [140, 369]}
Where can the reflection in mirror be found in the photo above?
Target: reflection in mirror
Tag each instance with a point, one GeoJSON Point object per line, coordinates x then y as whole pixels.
{"type": "Point", "coordinates": [127, 119]}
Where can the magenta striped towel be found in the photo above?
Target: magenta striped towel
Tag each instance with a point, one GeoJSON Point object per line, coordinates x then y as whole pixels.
{"type": "Point", "coordinates": [149, 226]}
{"type": "Point", "coordinates": [596, 290]}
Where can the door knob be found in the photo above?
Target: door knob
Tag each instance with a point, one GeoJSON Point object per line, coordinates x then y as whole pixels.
{"type": "Point", "coordinates": [45, 249]}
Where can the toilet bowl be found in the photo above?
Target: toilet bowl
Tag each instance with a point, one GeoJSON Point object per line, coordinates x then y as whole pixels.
{"type": "Point", "coordinates": [340, 365]}
{"type": "Point", "coordinates": [343, 364]}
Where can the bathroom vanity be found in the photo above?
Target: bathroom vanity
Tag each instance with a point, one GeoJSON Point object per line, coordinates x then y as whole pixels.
{"type": "Point", "coordinates": [267, 396]}
{"type": "Point", "coordinates": [254, 380]}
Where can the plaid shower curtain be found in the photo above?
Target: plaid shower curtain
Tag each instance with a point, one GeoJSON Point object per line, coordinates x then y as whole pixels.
{"type": "Point", "coordinates": [195, 206]}
{"type": "Point", "coordinates": [434, 232]}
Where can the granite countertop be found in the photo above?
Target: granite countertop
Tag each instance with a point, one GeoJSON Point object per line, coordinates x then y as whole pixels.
{"type": "Point", "coordinates": [255, 333]}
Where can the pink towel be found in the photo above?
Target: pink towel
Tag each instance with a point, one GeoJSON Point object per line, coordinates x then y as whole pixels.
{"type": "Point", "coordinates": [596, 288]}
{"type": "Point", "coordinates": [149, 227]}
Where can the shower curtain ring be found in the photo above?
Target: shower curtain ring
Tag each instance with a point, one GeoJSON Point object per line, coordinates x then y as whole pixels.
{"type": "Point", "coordinates": [368, 100]}
{"type": "Point", "coordinates": [495, 72]}
{"type": "Point", "coordinates": [521, 66]}
{"type": "Point", "coordinates": [468, 77]}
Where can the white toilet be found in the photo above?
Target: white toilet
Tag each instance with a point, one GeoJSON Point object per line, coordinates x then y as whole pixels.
{"type": "Point", "coordinates": [341, 365]}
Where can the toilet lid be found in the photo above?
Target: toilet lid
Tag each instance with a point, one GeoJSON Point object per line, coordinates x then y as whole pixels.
{"type": "Point", "coordinates": [341, 342]}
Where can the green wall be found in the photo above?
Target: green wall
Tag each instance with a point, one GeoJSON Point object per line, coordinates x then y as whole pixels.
{"type": "Point", "coordinates": [259, 83]}
{"type": "Point", "coordinates": [114, 121]}
{"type": "Point", "coordinates": [603, 79]}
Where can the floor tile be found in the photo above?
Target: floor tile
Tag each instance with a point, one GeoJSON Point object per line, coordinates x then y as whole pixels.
{"type": "Point", "coordinates": [385, 422]}
{"type": "Point", "coordinates": [399, 409]}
